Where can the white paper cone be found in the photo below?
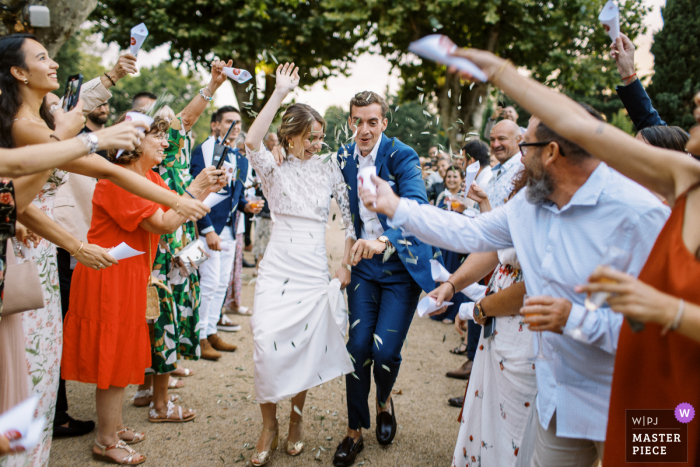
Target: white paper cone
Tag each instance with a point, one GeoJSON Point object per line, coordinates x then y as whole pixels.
{"type": "Point", "coordinates": [213, 199]}
{"type": "Point", "coordinates": [438, 271]}
{"type": "Point", "coordinates": [123, 251]}
{"type": "Point", "coordinates": [428, 305]}
{"type": "Point", "coordinates": [228, 167]}
{"type": "Point", "coordinates": [472, 171]}
{"type": "Point", "coordinates": [236, 74]}
{"type": "Point", "coordinates": [437, 48]}
{"type": "Point", "coordinates": [136, 117]}
{"type": "Point", "coordinates": [475, 291]}
{"type": "Point", "coordinates": [610, 17]}
{"type": "Point", "coordinates": [139, 34]}
{"type": "Point", "coordinates": [364, 177]}
{"type": "Point", "coordinates": [466, 311]}
{"type": "Point", "coordinates": [19, 418]}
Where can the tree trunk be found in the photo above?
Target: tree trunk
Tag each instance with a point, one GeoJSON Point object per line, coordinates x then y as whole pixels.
{"type": "Point", "coordinates": [66, 18]}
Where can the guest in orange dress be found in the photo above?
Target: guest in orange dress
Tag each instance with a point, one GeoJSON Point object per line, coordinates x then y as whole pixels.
{"type": "Point", "coordinates": [106, 337]}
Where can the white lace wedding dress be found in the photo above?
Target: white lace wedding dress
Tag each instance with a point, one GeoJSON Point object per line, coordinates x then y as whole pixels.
{"type": "Point", "coordinates": [299, 316]}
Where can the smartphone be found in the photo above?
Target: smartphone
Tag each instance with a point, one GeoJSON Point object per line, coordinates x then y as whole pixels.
{"type": "Point", "coordinates": [489, 327]}
{"type": "Point", "coordinates": [221, 150]}
{"type": "Point", "coordinates": [72, 93]}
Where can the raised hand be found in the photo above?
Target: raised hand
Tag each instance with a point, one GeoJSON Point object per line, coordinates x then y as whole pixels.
{"type": "Point", "coordinates": [488, 62]}
{"type": "Point", "coordinates": [622, 50]}
{"type": "Point", "coordinates": [287, 78]}
{"type": "Point", "coordinates": [384, 201]}
{"type": "Point", "coordinates": [217, 74]}
{"type": "Point", "coordinates": [125, 135]}
{"type": "Point", "coordinates": [190, 208]}
{"type": "Point", "coordinates": [126, 65]}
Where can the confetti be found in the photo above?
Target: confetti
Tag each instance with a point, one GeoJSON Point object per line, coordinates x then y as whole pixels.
{"type": "Point", "coordinates": [367, 362]}
{"type": "Point", "coordinates": [297, 410]}
{"type": "Point", "coordinates": [355, 323]}
{"type": "Point", "coordinates": [386, 368]}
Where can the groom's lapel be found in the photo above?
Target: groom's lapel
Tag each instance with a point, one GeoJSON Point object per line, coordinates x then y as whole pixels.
{"type": "Point", "coordinates": [380, 161]}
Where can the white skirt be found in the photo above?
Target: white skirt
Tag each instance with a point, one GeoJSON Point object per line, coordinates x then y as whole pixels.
{"type": "Point", "coordinates": [299, 314]}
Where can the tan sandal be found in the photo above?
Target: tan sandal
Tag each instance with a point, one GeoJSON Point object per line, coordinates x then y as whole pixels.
{"type": "Point", "coordinates": [262, 458]}
{"type": "Point", "coordinates": [137, 438]}
{"type": "Point", "coordinates": [174, 383]}
{"type": "Point", "coordinates": [153, 416]}
{"type": "Point", "coordinates": [294, 449]}
{"type": "Point", "coordinates": [183, 372]}
{"type": "Point", "coordinates": [127, 460]}
{"type": "Point", "coordinates": [146, 397]}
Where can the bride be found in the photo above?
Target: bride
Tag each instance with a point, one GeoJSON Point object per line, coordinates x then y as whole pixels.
{"type": "Point", "coordinates": [299, 317]}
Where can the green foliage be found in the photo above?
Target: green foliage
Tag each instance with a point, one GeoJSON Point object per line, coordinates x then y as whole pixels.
{"type": "Point", "coordinates": [255, 34]}
{"type": "Point", "coordinates": [676, 50]}
{"type": "Point", "coordinates": [560, 41]}
{"type": "Point", "coordinates": [623, 122]}
{"type": "Point", "coordinates": [78, 56]}
{"type": "Point", "coordinates": [411, 122]}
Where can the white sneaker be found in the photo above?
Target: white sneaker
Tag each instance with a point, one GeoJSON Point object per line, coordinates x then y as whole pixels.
{"type": "Point", "coordinates": [225, 324]}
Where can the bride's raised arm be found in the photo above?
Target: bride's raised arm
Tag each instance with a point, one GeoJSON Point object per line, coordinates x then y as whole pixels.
{"type": "Point", "coordinates": [287, 80]}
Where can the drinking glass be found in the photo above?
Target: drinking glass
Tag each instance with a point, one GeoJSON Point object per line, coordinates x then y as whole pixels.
{"type": "Point", "coordinates": [540, 353]}
{"type": "Point", "coordinates": [254, 204]}
{"type": "Point", "coordinates": [614, 258]}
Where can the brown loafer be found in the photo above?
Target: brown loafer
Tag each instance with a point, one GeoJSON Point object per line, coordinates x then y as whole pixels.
{"type": "Point", "coordinates": [207, 351]}
{"type": "Point", "coordinates": [219, 344]}
{"type": "Point", "coordinates": [462, 372]}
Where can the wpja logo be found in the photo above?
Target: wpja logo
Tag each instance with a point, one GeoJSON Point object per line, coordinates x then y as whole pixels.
{"type": "Point", "coordinates": [658, 435]}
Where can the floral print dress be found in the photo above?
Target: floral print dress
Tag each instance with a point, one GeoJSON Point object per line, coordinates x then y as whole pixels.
{"type": "Point", "coordinates": [43, 334]}
{"type": "Point", "coordinates": [176, 330]}
{"type": "Point", "coordinates": [8, 216]}
{"type": "Point", "coordinates": [502, 388]}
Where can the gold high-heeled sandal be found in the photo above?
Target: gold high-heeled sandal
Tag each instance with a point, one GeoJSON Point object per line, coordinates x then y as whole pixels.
{"type": "Point", "coordinates": [262, 458]}
{"type": "Point", "coordinates": [298, 447]}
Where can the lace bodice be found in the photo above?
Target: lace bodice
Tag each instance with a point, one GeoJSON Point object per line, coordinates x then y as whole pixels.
{"type": "Point", "coordinates": [303, 188]}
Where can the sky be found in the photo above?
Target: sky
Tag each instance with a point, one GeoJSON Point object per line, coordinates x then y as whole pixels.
{"type": "Point", "coordinates": [372, 72]}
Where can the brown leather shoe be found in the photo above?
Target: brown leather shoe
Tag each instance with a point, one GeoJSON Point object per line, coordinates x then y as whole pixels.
{"type": "Point", "coordinates": [462, 372]}
{"type": "Point", "coordinates": [208, 352]}
{"type": "Point", "coordinates": [219, 344]}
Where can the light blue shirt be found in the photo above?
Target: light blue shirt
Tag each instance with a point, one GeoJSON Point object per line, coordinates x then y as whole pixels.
{"type": "Point", "coordinates": [499, 188]}
{"type": "Point", "coordinates": [558, 249]}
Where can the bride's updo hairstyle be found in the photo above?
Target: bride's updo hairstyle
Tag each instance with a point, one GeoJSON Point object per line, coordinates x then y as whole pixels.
{"type": "Point", "coordinates": [298, 120]}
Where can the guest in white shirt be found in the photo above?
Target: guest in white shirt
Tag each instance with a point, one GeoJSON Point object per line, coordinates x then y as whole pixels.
{"type": "Point", "coordinates": [477, 151]}
{"type": "Point", "coordinates": [573, 208]}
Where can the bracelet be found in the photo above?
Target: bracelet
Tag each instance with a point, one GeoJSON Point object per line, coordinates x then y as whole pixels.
{"type": "Point", "coordinates": [90, 141]}
{"type": "Point", "coordinates": [81, 247]}
{"type": "Point", "coordinates": [55, 137]}
{"type": "Point", "coordinates": [673, 325]}
{"type": "Point", "coordinates": [498, 73]}
{"type": "Point", "coordinates": [192, 196]}
{"type": "Point", "coordinates": [628, 79]}
{"type": "Point", "coordinates": [110, 79]}
{"type": "Point", "coordinates": [208, 99]}
{"type": "Point", "coordinates": [177, 207]}
{"type": "Point", "coordinates": [454, 289]}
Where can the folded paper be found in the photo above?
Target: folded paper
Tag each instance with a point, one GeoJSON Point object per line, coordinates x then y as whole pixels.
{"type": "Point", "coordinates": [123, 251]}
{"type": "Point", "coordinates": [438, 271]}
{"type": "Point", "coordinates": [20, 427]}
{"type": "Point", "coordinates": [438, 48]}
{"type": "Point", "coordinates": [139, 34]}
{"type": "Point", "coordinates": [364, 176]}
{"type": "Point", "coordinates": [428, 305]}
{"type": "Point", "coordinates": [610, 17]}
{"type": "Point", "coordinates": [472, 172]}
{"type": "Point", "coordinates": [136, 117]}
{"type": "Point", "coordinates": [236, 74]}
{"type": "Point", "coordinates": [213, 199]}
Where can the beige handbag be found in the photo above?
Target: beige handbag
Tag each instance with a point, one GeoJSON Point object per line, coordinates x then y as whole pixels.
{"type": "Point", "coordinates": [23, 290]}
{"type": "Point", "coordinates": [152, 299]}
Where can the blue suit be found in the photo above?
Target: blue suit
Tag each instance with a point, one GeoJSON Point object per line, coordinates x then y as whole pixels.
{"type": "Point", "coordinates": [638, 105]}
{"type": "Point", "coordinates": [382, 296]}
{"type": "Point", "coordinates": [221, 215]}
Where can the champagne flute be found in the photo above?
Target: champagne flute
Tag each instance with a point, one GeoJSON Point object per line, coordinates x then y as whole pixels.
{"type": "Point", "coordinates": [540, 353]}
{"type": "Point", "coordinates": [615, 258]}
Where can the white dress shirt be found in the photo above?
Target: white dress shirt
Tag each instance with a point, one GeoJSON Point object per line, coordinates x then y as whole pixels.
{"type": "Point", "coordinates": [558, 249]}
{"type": "Point", "coordinates": [371, 227]}
{"type": "Point", "coordinates": [484, 177]}
{"type": "Point", "coordinates": [500, 186]}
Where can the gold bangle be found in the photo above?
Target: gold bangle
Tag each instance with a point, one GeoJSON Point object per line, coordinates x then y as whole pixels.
{"type": "Point", "coordinates": [81, 247]}
{"type": "Point", "coordinates": [498, 73]}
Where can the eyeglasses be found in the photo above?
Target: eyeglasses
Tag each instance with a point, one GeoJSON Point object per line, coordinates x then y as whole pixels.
{"type": "Point", "coordinates": [523, 146]}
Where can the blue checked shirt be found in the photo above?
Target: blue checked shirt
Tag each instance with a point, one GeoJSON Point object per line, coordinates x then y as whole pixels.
{"type": "Point", "coordinates": [558, 249]}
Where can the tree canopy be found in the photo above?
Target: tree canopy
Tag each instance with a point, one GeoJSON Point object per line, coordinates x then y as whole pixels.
{"type": "Point", "coordinates": [676, 50]}
{"type": "Point", "coordinates": [257, 35]}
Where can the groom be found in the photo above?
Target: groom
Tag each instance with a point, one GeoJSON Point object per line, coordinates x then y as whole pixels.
{"type": "Point", "coordinates": [388, 273]}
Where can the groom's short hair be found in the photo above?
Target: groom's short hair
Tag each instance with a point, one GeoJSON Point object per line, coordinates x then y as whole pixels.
{"type": "Point", "coordinates": [365, 98]}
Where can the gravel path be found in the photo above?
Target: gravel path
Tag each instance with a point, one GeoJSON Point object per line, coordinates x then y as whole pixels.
{"type": "Point", "coordinates": [228, 422]}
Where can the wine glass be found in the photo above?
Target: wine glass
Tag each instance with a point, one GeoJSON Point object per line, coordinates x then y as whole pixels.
{"type": "Point", "coordinates": [540, 353]}
{"type": "Point", "coordinates": [615, 258]}
{"type": "Point", "coordinates": [254, 204]}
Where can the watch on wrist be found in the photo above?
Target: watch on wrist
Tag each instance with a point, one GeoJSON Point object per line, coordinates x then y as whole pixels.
{"type": "Point", "coordinates": [479, 312]}
{"type": "Point", "coordinates": [90, 141]}
{"type": "Point", "coordinates": [384, 239]}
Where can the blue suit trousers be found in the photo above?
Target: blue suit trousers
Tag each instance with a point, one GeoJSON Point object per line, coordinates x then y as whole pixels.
{"type": "Point", "coordinates": [382, 299]}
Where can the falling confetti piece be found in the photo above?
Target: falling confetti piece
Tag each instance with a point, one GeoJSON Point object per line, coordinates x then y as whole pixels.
{"type": "Point", "coordinates": [386, 368]}
{"type": "Point", "coordinates": [275, 345]}
{"type": "Point", "coordinates": [444, 337]}
{"type": "Point", "coordinates": [296, 409]}
{"type": "Point", "coordinates": [294, 345]}
{"type": "Point", "coordinates": [353, 373]}
{"type": "Point", "coordinates": [355, 323]}
{"type": "Point", "coordinates": [367, 362]}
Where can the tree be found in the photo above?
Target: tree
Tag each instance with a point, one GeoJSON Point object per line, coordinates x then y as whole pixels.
{"type": "Point", "coordinates": [561, 42]}
{"type": "Point", "coordinates": [257, 35]}
{"type": "Point", "coordinates": [676, 50]}
{"type": "Point", "coordinates": [78, 55]}
{"type": "Point", "coordinates": [66, 18]}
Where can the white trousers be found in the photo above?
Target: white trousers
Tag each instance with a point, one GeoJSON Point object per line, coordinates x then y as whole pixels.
{"type": "Point", "coordinates": [554, 451]}
{"type": "Point", "coordinates": [214, 276]}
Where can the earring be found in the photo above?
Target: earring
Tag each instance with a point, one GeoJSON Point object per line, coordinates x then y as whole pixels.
{"type": "Point", "coordinates": [291, 146]}
{"type": "Point", "coordinates": [26, 81]}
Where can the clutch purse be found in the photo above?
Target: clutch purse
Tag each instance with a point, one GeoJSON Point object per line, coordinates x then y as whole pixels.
{"type": "Point", "coordinates": [23, 290]}
{"type": "Point", "coordinates": [192, 256]}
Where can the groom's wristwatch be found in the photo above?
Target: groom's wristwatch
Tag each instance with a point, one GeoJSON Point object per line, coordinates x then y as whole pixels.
{"type": "Point", "coordinates": [479, 312]}
{"type": "Point", "coordinates": [384, 239]}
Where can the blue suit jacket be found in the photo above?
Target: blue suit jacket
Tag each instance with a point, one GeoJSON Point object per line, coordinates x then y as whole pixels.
{"type": "Point", "coordinates": [638, 105]}
{"type": "Point", "coordinates": [399, 165]}
{"type": "Point", "coordinates": [236, 193]}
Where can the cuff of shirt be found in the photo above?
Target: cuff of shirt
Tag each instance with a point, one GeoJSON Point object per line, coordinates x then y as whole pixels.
{"type": "Point", "coordinates": [93, 93]}
{"type": "Point", "coordinates": [402, 212]}
{"type": "Point", "coordinates": [466, 311]}
{"type": "Point", "coordinates": [575, 316]}
{"type": "Point", "coordinates": [207, 230]}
